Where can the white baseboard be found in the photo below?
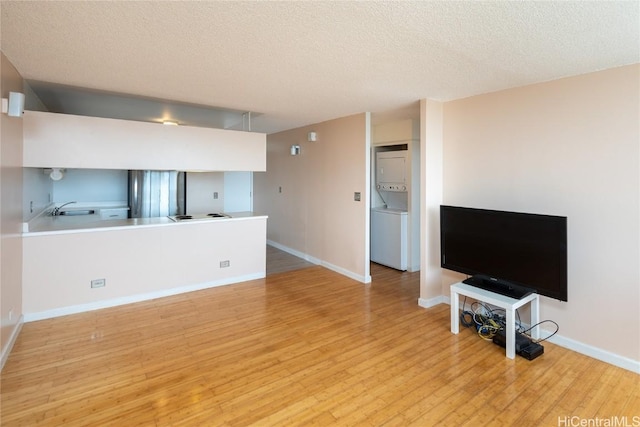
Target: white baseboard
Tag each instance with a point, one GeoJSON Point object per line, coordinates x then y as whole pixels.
{"type": "Point", "coordinates": [12, 340]}
{"type": "Point", "coordinates": [347, 273]}
{"type": "Point", "coordinates": [81, 308]}
{"type": "Point", "coordinates": [317, 261]}
{"type": "Point", "coordinates": [294, 252]}
{"type": "Point", "coordinates": [568, 343]}
{"type": "Point", "coordinates": [595, 352]}
{"type": "Point", "coordinates": [431, 302]}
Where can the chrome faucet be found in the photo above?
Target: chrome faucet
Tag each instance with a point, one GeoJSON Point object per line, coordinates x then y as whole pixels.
{"type": "Point", "coordinates": [56, 210]}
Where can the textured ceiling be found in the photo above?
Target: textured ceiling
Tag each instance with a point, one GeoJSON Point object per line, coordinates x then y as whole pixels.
{"type": "Point", "coordinates": [298, 63]}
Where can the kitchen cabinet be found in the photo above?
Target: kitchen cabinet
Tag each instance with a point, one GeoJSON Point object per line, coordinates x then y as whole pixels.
{"type": "Point", "coordinates": [68, 141]}
{"type": "Point", "coordinates": [114, 213]}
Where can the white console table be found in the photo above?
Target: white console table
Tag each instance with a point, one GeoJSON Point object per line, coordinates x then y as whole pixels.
{"type": "Point", "coordinates": [510, 305]}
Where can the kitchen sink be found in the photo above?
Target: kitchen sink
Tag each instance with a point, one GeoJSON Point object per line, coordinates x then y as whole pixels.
{"type": "Point", "coordinates": [77, 212]}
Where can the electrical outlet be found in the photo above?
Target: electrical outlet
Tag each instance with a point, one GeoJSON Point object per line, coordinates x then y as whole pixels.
{"type": "Point", "coordinates": [356, 196]}
{"type": "Point", "coordinates": [98, 283]}
{"type": "Point", "coordinates": [224, 264]}
{"type": "Point", "coordinates": [279, 189]}
{"type": "Point", "coordinates": [10, 314]}
{"type": "Point", "coordinates": [215, 194]}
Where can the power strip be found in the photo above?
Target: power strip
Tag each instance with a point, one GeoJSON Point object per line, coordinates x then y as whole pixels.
{"type": "Point", "coordinates": [522, 340]}
{"type": "Point", "coordinates": [524, 346]}
{"type": "Point", "coordinates": [532, 351]}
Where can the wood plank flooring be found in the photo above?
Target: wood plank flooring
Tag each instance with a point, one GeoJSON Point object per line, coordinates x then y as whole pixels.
{"type": "Point", "coordinates": [299, 348]}
{"type": "Point", "coordinates": [279, 261]}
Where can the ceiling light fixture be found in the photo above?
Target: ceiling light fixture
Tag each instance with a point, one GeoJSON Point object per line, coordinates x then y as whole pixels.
{"type": "Point", "coordinates": [56, 174]}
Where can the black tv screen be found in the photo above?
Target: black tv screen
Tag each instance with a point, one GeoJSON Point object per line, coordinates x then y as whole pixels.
{"type": "Point", "coordinates": [510, 253]}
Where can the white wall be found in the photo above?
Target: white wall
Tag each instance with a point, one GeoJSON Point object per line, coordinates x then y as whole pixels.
{"type": "Point", "coordinates": [37, 192]}
{"type": "Point", "coordinates": [315, 213]}
{"type": "Point", "coordinates": [11, 184]}
{"type": "Point", "coordinates": [68, 141]}
{"type": "Point", "coordinates": [91, 185]}
{"type": "Point", "coordinates": [201, 187]}
{"type": "Point", "coordinates": [238, 191]}
{"type": "Point", "coordinates": [234, 192]}
{"type": "Point", "coordinates": [137, 263]}
{"type": "Point", "coordinates": [568, 147]}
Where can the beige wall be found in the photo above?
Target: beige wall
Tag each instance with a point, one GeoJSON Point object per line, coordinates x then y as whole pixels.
{"type": "Point", "coordinates": [568, 147]}
{"type": "Point", "coordinates": [10, 211]}
{"type": "Point", "coordinates": [315, 214]}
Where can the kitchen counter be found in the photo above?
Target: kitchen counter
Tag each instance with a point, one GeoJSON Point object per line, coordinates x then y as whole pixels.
{"type": "Point", "coordinates": [134, 259]}
{"type": "Point", "coordinates": [47, 224]}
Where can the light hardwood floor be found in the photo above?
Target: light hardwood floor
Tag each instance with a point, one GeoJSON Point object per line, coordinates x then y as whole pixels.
{"type": "Point", "coordinates": [305, 347]}
{"type": "Point", "coordinates": [279, 261]}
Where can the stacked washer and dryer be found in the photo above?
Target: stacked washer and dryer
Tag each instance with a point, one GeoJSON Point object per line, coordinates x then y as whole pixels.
{"type": "Point", "coordinates": [389, 223]}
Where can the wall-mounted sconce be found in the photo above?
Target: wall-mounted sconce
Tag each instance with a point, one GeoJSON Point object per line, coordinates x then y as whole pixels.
{"type": "Point", "coordinates": [170, 122]}
{"type": "Point", "coordinates": [312, 137]}
{"type": "Point", "coordinates": [14, 105]}
{"type": "Point", "coordinates": [295, 150]}
{"type": "Point", "coordinates": [55, 174]}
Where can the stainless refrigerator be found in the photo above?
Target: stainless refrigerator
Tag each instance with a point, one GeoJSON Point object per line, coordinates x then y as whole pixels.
{"type": "Point", "coordinates": [156, 193]}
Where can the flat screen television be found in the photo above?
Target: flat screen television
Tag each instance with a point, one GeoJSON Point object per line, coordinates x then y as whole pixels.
{"type": "Point", "coordinates": [510, 253]}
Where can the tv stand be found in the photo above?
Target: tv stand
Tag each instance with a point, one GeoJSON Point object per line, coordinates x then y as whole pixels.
{"type": "Point", "coordinates": [510, 305]}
